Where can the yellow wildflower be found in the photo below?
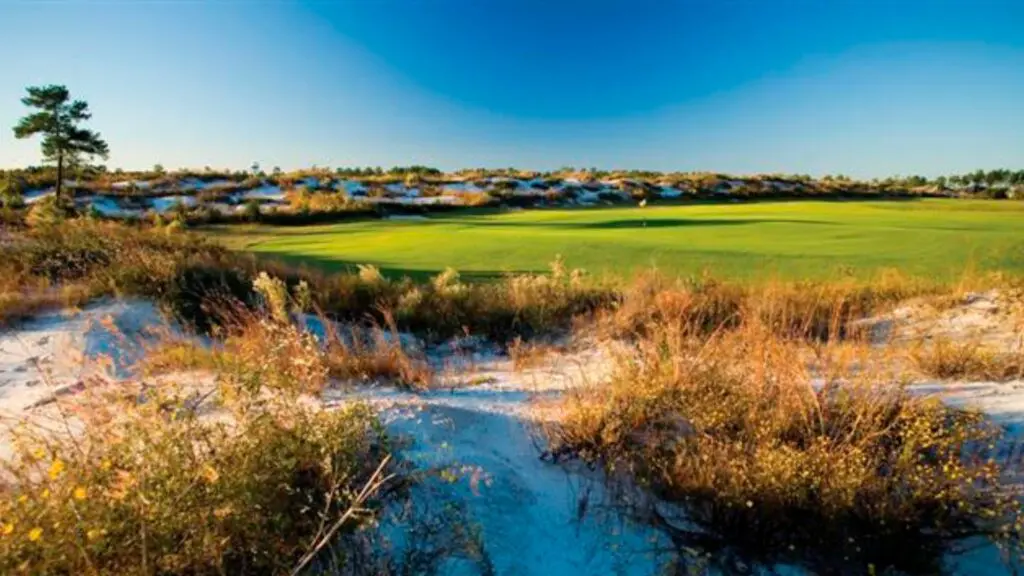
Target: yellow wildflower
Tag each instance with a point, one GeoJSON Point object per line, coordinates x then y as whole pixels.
{"type": "Point", "coordinates": [56, 468]}
{"type": "Point", "coordinates": [210, 474]}
{"type": "Point", "coordinates": [7, 529]}
{"type": "Point", "coordinates": [80, 493]}
{"type": "Point", "coordinates": [35, 534]}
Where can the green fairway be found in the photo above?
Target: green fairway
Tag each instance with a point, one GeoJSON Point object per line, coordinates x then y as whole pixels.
{"type": "Point", "coordinates": [789, 240]}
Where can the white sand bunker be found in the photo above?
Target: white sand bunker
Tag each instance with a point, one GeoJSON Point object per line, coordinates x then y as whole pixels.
{"type": "Point", "coordinates": [53, 353]}
{"type": "Point", "coordinates": [533, 516]}
{"type": "Point", "coordinates": [991, 319]}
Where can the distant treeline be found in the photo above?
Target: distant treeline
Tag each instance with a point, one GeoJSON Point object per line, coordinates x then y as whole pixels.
{"type": "Point", "coordinates": [46, 175]}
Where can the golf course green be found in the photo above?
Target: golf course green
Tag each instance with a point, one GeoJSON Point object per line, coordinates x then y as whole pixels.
{"type": "Point", "coordinates": [941, 239]}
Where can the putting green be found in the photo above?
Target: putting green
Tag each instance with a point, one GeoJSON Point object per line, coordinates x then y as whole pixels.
{"type": "Point", "coordinates": [750, 241]}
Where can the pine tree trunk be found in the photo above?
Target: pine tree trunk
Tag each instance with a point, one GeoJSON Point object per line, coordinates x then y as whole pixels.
{"type": "Point", "coordinates": [60, 176]}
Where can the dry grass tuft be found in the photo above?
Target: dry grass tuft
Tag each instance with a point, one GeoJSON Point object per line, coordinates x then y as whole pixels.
{"type": "Point", "coordinates": [526, 354]}
{"type": "Point", "coordinates": [272, 349]}
{"type": "Point", "coordinates": [373, 355]}
{"type": "Point", "coordinates": [947, 359]}
{"type": "Point", "coordinates": [754, 462]}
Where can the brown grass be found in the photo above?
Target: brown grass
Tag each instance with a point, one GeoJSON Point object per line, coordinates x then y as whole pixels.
{"type": "Point", "coordinates": [375, 354]}
{"type": "Point", "coordinates": [948, 359]}
{"type": "Point", "coordinates": [806, 310]}
{"type": "Point", "coordinates": [258, 350]}
{"type": "Point", "coordinates": [530, 354]}
{"type": "Point", "coordinates": [755, 464]}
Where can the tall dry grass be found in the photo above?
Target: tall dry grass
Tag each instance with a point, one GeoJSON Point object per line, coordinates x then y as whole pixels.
{"type": "Point", "coordinates": [727, 442]}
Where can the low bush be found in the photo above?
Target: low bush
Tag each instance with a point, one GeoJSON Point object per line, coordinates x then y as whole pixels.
{"type": "Point", "coordinates": [239, 476]}
{"type": "Point", "coordinates": [147, 494]}
{"type": "Point", "coordinates": [12, 193]}
{"type": "Point", "coordinates": [199, 295]}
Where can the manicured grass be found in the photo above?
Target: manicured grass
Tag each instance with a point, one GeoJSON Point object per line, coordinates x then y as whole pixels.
{"type": "Point", "coordinates": [786, 240]}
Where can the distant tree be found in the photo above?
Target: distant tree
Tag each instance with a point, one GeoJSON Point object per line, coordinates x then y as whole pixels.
{"type": "Point", "coordinates": [916, 180]}
{"type": "Point", "coordinates": [1001, 176]}
{"type": "Point", "coordinates": [252, 210]}
{"type": "Point", "coordinates": [57, 120]}
{"type": "Point", "coordinates": [277, 170]}
{"type": "Point", "coordinates": [255, 168]}
{"type": "Point", "coordinates": [158, 169]}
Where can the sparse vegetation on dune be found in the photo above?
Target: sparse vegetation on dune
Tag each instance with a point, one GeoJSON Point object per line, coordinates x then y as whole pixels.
{"type": "Point", "coordinates": [948, 359]}
{"type": "Point", "coordinates": [733, 448]}
{"type": "Point", "coordinates": [221, 194]}
{"type": "Point", "coordinates": [234, 475]}
{"type": "Point", "coordinates": [80, 259]}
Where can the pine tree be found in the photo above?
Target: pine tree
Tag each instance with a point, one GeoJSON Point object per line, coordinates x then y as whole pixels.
{"type": "Point", "coordinates": [58, 119]}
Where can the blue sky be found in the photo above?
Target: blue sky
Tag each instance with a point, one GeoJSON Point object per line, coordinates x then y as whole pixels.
{"type": "Point", "coordinates": [868, 88]}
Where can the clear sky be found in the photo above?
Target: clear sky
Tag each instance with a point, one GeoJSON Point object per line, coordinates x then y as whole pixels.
{"type": "Point", "coordinates": [867, 88]}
